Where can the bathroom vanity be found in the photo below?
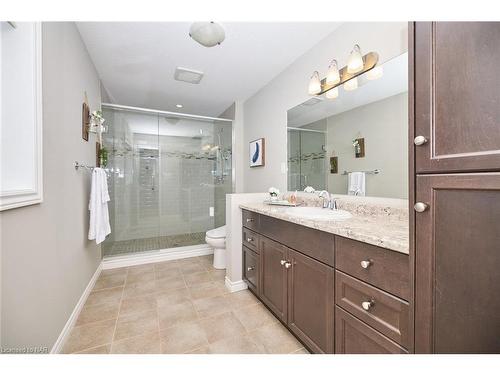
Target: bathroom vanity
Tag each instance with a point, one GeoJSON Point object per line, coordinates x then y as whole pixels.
{"type": "Point", "coordinates": [338, 286]}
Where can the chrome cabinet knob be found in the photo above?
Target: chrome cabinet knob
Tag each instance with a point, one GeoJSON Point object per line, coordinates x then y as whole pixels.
{"type": "Point", "coordinates": [367, 305]}
{"type": "Point", "coordinates": [288, 264]}
{"type": "Point", "coordinates": [420, 140]}
{"type": "Point", "coordinates": [420, 206]}
{"type": "Point", "coordinates": [250, 220]}
{"type": "Point", "coordinates": [366, 263]}
{"type": "Point", "coordinates": [249, 239]}
{"type": "Point", "coordinates": [250, 269]}
{"type": "Point", "coordinates": [282, 262]}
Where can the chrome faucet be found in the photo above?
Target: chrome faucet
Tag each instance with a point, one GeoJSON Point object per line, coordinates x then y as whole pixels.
{"type": "Point", "coordinates": [328, 200]}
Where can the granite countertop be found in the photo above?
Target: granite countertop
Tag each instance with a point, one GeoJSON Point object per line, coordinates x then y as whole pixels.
{"type": "Point", "coordinates": [376, 226]}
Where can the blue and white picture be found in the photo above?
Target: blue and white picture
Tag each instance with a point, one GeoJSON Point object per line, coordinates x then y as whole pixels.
{"type": "Point", "coordinates": [257, 153]}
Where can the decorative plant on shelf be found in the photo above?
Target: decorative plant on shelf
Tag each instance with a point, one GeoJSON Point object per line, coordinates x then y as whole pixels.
{"type": "Point", "coordinates": [273, 193]}
{"type": "Point", "coordinates": [97, 124]}
{"type": "Point", "coordinates": [103, 157]}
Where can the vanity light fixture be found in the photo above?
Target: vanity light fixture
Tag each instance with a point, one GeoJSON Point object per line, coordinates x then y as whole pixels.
{"type": "Point", "coordinates": [333, 93]}
{"type": "Point", "coordinates": [333, 75]}
{"type": "Point", "coordinates": [351, 85]}
{"type": "Point", "coordinates": [355, 62]}
{"type": "Point", "coordinates": [375, 73]}
{"type": "Point", "coordinates": [357, 65]}
{"type": "Point", "coordinates": [179, 105]}
{"type": "Point", "coordinates": [315, 84]}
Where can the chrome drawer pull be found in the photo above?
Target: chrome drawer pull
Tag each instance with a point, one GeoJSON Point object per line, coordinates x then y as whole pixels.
{"type": "Point", "coordinates": [282, 262]}
{"type": "Point", "coordinates": [367, 305]}
{"type": "Point", "coordinates": [366, 263]}
{"type": "Point", "coordinates": [288, 264]}
{"type": "Point", "coordinates": [250, 269]}
{"type": "Point", "coordinates": [250, 220]}
{"type": "Point", "coordinates": [249, 239]}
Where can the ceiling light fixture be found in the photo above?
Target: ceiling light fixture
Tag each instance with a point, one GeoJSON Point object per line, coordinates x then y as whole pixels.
{"type": "Point", "coordinates": [333, 75]}
{"type": "Point", "coordinates": [355, 62]}
{"type": "Point", "coordinates": [208, 34]}
{"type": "Point", "coordinates": [314, 84]}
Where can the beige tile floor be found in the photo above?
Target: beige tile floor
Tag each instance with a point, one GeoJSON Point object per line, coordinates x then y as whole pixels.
{"type": "Point", "coordinates": [179, 306]}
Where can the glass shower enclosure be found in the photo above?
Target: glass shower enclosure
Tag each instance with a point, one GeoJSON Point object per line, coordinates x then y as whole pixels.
{"type": "Point", "coordinates": [168, 175]}
{"type": "Point", "coordinates": [306, 159]}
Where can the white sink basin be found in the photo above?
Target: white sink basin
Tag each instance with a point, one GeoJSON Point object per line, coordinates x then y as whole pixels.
{"type": "Point", "coordinates": [318, 213]}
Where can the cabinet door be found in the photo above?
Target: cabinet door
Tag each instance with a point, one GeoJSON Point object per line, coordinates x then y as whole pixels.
{"type": "Point", "coordinates": [273, 277]}
{"type": "Point", "coordinates": [310, 301]}
{"type": "Point", "coordinates": [457, 300]}
{"type": "Point", "coordinates": [251, 269]}
{"type": "Point", "coordinates": [352, 336]}
{"type": "Point", "coordinates": [457, 96]}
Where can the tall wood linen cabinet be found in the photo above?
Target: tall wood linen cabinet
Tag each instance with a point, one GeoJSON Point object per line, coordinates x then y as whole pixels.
{"type": "Point", "coordinates": [455, 186]}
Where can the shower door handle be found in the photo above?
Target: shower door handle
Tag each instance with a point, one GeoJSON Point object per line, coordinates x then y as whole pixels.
{"type": "Point", "coordinates": [153, 182]}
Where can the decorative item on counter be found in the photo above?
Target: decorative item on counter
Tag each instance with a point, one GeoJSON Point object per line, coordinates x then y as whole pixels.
{"type": "Point", "coordinates": [273, 193]}
{"type": "Point", "coordinates": [334, 164]}
{"type": "Point", "coordinates": [309, 189]}
{"type": "Point", "coordinates": [293, 198]}
{"type": "Point", "coordinates": [257, 153]}
{"type": "Point", "coordinates": [359, 147]}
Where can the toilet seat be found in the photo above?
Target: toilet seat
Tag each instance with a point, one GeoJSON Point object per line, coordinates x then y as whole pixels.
{"type": "Point", "coordinates": [219, 232]}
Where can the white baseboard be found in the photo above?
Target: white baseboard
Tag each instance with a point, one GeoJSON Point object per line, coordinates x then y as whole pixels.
{"type": "Point", "coordinates": [235, 286]}
{"type": "Point", "coordinates": [61, 340]}
{"type": "Point", "coordinates": [156, 256]}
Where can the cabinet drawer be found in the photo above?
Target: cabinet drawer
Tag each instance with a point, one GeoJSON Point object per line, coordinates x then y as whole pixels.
{"type": "Point", "coordinates": [250, 219]}
{"type": "Point", "coordinates": [352, 336]}
{"type": "Point", "coordinates": [251, 269]}
{"type": "Point", "coordinates": [251, 239]}
{"type": "Point", "coordinates": [386, 313]}
{"type": "Point", "coordinates": [387, 270]}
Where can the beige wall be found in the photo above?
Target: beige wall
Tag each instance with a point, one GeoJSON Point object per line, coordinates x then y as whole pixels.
{"type": "Point", "coordinates": [265, 113]}
{"type": "Point", "coordinates": [384, 126]}
{"type": "Point", "coordinates": [47, 260]}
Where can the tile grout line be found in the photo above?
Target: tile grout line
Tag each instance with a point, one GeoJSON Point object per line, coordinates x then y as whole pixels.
{"type": "Point", "coordinates": [118, 316]}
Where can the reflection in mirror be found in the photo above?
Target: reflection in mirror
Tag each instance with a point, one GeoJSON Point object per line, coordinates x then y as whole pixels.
{"type": "Point", "coordinates": [357, 143]}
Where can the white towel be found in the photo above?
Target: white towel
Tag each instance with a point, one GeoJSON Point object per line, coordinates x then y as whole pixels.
{"type": "Point", "coordinates": [356, 184]}
{"type": "Point", "coordinates": [99, 226]}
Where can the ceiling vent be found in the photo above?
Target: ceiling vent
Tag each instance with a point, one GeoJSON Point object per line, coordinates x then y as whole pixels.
{"type": "Point", "coordinates": [188, 75]}
{"type": "Point", "coordinates": [312, 101]}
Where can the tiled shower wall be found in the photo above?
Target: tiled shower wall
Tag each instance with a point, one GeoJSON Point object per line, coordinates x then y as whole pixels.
{"type": "Point", "coordinates": [163, 185]}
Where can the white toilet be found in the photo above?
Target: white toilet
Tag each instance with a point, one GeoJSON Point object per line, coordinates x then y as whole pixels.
{"type": "Point", "coordinates": [217, 239]}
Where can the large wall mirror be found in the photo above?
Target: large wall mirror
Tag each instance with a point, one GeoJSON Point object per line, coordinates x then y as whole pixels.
{"type": "Point", "coordinates": [363, 130]}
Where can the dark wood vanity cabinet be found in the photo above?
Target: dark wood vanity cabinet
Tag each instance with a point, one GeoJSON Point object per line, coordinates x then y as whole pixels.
{"type": "Point", "coordinates": [457, 96]}
{"type": "Point", "coordinates": [299, 283]}
{"type": "Point", "coordinates": [457, 302]}
{"type": "Point", "coordinates": [274, 277]}
{"type": "Point", "coordinates": [310, 301]}
{"type": "Point", "coordinates": [454, 101]}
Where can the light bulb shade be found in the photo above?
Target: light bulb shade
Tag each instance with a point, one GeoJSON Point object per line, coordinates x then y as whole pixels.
{"type": "Point", "coordinates": [351, 84]}
{"type": "Point", "coordinates": [333, 76]}
{"type": "Point", "coordinates": [355, 61]}
{"type": "Point", "coordinates": [314, 84]}
{"type": "Point", "coordinates": [208, 34]}
{"type": "Point", "coordinates": [333, 93]}
{"type": "Point", "coordinates": [375, 73]}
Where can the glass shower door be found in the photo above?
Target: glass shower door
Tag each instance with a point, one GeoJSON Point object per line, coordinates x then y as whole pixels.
{"type": "Point", "coordinates": [133, 175]}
